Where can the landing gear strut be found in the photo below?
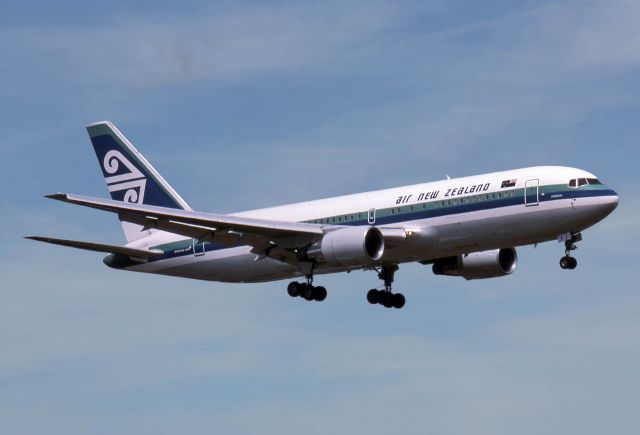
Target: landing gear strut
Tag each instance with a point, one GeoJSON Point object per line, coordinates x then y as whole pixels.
{"type": "Point", "coordinates": [569, 262]}
{"type": "Point", "coordinates": [307, 290]}
{"type": "Point", "coordinates": [386, 297]}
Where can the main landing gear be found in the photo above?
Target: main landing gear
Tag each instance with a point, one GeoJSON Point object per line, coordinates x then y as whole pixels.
{"type": "Point", "coordinates": [307, 291]}
{"type": "Point", "coordinates": [386, 297]}
{"type": "Point", "coordinates": [569, 262]}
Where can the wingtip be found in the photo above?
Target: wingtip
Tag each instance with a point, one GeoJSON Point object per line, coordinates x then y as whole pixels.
{"type": "Point", "coordinates": [58, 196]}
{"type": "Point", "coordinates": [36, 238]}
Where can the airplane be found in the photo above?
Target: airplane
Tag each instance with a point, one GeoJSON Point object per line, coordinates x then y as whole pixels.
{"type": "Point", "coordinates": [466, 227]}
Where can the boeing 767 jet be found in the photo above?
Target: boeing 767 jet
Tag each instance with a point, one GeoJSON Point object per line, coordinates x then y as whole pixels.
{"type": "Point", "coordinates": [467, 227]}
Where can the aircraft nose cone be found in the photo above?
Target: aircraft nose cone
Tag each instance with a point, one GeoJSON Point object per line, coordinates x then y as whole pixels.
{"type": "Point", "coordinates": [609, 203]}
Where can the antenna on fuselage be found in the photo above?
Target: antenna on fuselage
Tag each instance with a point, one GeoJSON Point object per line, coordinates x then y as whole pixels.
{"type": "Point", "coordinates": [448, 177]}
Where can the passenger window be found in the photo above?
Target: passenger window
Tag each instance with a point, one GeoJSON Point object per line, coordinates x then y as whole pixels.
{"type": "Point", "coordinates": [572, 183]}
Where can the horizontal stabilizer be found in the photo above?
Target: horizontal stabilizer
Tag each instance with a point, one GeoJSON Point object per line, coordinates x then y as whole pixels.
{"type": "Point", "coordinates": [99, 247]}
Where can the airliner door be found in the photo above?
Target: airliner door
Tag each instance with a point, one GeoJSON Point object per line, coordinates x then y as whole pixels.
{"type": "Point", "coordinates": [531, 192]}
{"type": "Point", "coordinates": [198, 248]}
{"type": "Point", "coordinates": [372, 216]}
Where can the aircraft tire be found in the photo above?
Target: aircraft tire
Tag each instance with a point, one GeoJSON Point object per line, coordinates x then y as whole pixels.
{"type": "Point", "coordinates": [387, 299]}
{"type": "Point", "coordinates": [307, 292]}
{"type": "Point", "coordinates": [398, 300]}
{"type": "Point", "coordinates": [319, 293]}
{"type": "Point", "coordinates": [293, 289]}
{"type": "Point", "coordinates": [373, 296]}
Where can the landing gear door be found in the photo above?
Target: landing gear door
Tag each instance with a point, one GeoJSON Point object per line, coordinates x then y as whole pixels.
{"type": "Point", "coordinates": [532, 192]}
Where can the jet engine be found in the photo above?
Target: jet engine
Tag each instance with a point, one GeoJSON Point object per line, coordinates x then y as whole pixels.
{"type": "Point", "coordinates": [350, 246]}
{"type": "Point", "coordinates": [478, 265]}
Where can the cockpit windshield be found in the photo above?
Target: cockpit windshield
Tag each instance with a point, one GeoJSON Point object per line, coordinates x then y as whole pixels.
{"type": "Point", "coordinates": [579, 182]}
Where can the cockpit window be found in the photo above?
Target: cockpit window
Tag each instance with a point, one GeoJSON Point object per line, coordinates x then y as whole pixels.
{"type": "Point", "coordinates": [579, 182]}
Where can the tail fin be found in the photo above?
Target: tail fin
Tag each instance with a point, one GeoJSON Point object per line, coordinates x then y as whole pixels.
{"type": "Point", "coordinates": [129, 176]}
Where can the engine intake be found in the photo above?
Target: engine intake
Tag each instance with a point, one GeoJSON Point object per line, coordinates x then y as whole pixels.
{"type": "Point", "coordinates": [350, 246]}
{"type": "Point", "coordinates": [478, 265]}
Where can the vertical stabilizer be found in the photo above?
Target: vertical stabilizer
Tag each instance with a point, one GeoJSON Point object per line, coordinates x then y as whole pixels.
{"type": "Point", "coordinates": [129, 176]}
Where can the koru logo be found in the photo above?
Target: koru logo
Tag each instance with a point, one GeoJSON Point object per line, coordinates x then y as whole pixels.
{"type": "Point", "coordinates": [132, 181]}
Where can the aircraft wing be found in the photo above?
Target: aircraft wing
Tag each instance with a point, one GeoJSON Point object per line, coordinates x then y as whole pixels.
{"type": "Point", "coordinates": [99, 247]}
{"type": "Point", "coordinates": [227, 230]}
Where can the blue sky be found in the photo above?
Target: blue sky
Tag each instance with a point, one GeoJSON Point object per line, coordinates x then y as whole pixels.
{"type": "Point", "coordinates": [248, 104]}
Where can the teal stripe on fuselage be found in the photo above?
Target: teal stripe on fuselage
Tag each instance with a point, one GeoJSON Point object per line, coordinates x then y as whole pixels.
{"type": "Point", "coordinates": [402, 213]}
{"type": "Point", "coordinates": [463, 204]}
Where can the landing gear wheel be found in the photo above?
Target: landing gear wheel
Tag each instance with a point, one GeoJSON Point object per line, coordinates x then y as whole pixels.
{"type": "Point", "coordinates": [319, 293]}
{"type": "Point", "coordinates": [307, 292]}
{"type": "Point", "coordinates": [373, 296]}
{"type": "Point", "coordinates": [387, 299]}
{"type": "Point", "coordinates": [398, 300]}
{"type": "Point", "coordinates": [293, 289]}
{"type": "Point", "coordinates": [569, 263]}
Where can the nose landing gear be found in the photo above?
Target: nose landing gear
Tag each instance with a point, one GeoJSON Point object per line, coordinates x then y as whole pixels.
{"type": "Point", "coordinates": [570, 240]}
{"type": "Point", "coordinates": [386, 297]}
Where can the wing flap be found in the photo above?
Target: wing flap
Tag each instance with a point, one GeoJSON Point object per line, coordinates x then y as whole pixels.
{"type": "Point", "coordinates": [224, 229]}
{"type": "Point", "coordinates": [99, 247]}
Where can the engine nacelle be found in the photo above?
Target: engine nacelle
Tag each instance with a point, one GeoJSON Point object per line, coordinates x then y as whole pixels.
{"type": "Point", "coordinates": [478, 265]}
{"type": "Point", "coordinates": [350, 246]}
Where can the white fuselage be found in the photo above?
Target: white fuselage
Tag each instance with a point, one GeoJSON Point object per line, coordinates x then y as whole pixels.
{"type": "Point", "coordinates": [440, 219]}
